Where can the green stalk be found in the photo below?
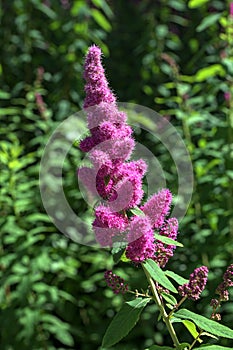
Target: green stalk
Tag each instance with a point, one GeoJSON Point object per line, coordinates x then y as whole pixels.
{"type": "Point", "coordinates": [195, 340]}
{"type": "Point", "coordinates": [165, 316]}
{"type": "Point", "coordinates": [176, 307]}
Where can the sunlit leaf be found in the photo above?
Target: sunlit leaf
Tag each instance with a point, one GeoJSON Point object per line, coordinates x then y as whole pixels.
{"type": "Point", "coordinates": [158, 274]}
{"type": "Point", "coordinates": [206, 324]}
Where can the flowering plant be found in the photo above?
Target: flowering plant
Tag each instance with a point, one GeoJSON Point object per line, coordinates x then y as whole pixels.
{"type": "Point", "coordinates": [140, 233]}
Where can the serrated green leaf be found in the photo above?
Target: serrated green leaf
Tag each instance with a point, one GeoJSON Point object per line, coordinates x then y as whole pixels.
{"type": "Point", "coordinates": [205, 324]}
{"type": "Point", "coordinates": [124, 321]}
{"type": "Point", "coordinates": [180, 280]}
{"type": "Point", "coordinates": [167, 240]}
{"type": "Point", "coordinates": [191, 327]}
{"type": "Point", "coordinates": [158, 275]}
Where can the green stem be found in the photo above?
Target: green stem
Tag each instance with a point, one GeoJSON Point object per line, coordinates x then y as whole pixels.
{"type": "Point", "coordinates": [165, 316]}
{"type": "Point", "coordinates": [176, 307]}
{"type": "Point", "coordinates": [137, 294]}
{"type": "Point", "coordinates": [195, 340]}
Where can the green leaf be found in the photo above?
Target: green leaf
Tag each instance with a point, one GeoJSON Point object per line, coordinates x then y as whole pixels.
{"type": "Point", "coordinates": [214, 347]}
{"type": "Point", "coordinates": [184, 346]}
{"type": "Point", "coordinates": [196, 3]}
{"type": "Point", "coordinates": [4, 95]}
{"type": "Point", "coordinates": [167, 240]}
{"type": "Point", "coordinates": [169, 298]}
{"type": "Point", "coordinates": [9, 111]}
{"type": "Point", "coordinates": [158, 274]}
{"type": "Point", "coordinates": [35, 217]}
{"type": "Point", "coordinates": [101, 20]}
{"type": "Point", "coordinates": [195, 118]}
{"type": "Point", "coordinates": [59, 328]}
{"type": "Point", "coordinates": [208, 72]}
{"type": "Point", "coordinates": [230, 174]}
{"type": "Point", "coordinates": [157, 347]}
{"type": "Point", "coordinates": [103, 5]}
{"type": "Point", "coordinates": [136, 211]}
{"type": "Point", "coordinates": [65, 337]}
{"type": "Point", "coordinates": [205, 324]}
{"type": "Point", "coordinates": [124, 321]}
{"type": "Point", "coordinates": [180, 280]}
{"type": "Point", "coordinates": [208, 21]}
{"type": "Point", "coordinates": [191, 327]}
{"type": "Point", "coordinates": [46, 10]}
{"type": "Point", "coordinates": [117, 251]}
{"type": "Point", "coordinates": [124, 257]}
{"type": "Point", "coordinates": [179, 6]}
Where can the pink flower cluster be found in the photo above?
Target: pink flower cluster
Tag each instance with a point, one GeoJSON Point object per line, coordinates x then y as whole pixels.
{"type": "Point", "coordinates": [227, 282]}
{"type": "Point", "coordinates": [222, 291]}
{"type": "Point", "coordinates": [116, 179]}
{"type": "Point", "coordinates": [231, 9]}
{"type": "Point", "coordinates": [196, 283]}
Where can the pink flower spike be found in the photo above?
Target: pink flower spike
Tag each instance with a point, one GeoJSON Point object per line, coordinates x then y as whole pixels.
{"type": "Point", "coordinates": [170, 229]}
{"type": "Point", "coordinates": [157, 207]}
{"type": "Point", "coordinates": [115, 282]}
{"type": "Point", "coordinates": [139, 226]}
{"type": "Point", "coordinates": [227, 96]}
{"type": "Point", "coordinates": [120, 149]}
{"type": "Point", "coordinates": [108, 225]}
{"type": "Point", "coordinates": [231, 9]}
{"type": "Point", "coordinates": [99, 158]}
{"type": "Point", "coordinates": [131, 172]}
{"type": "Point", "coordinates": [123, 196]}
{"type": "Point", "coordinates": [87, 176]}
{"type": "Point", "coordinates": [96, 88]}
{"type": "Point", "coordinates": [196, 283]}
{"type": "Point", "coordinates": [228, 276]}
{"type": "Point", "coordinates": [141, 238]}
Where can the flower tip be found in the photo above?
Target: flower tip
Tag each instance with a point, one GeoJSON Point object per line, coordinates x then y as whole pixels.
{"type": "Point", "coordinates": [94, 49]}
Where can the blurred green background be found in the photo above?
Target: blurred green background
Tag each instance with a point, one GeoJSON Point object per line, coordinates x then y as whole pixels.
{"type": "Point", "coordinates": [174, 56]}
